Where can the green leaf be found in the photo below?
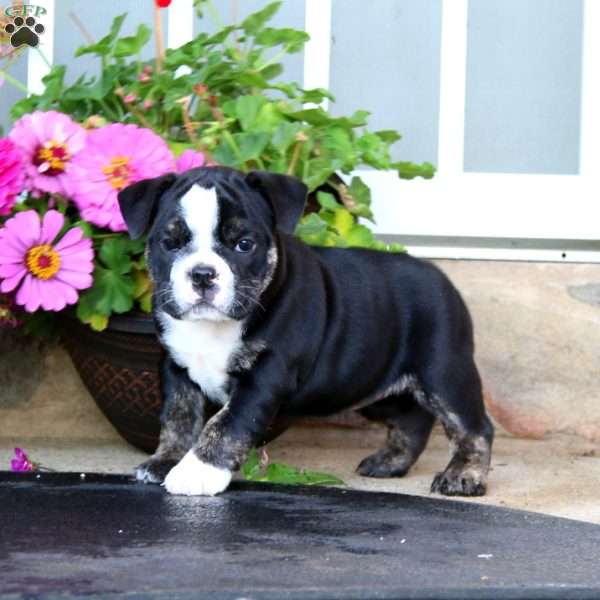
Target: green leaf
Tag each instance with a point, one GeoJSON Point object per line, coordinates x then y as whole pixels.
{"type": "Point", "coordinates": [292, 39]}
{"type": "Point", "coordinates": [374, 150]}
{"type": "Point", "coordinates": [337, 142]}
{"type": "Point", "coordinates": [342, 220]}
{"type": "Point", "coordinates": [271, 71]}
{"type": "Point", "coordinates": [114, 254]}
{"type": "Point", "coordinates": [247, 109]}
{"type": "Point", "coordinates": [316, 96]}
{"type": "Point", "coordinates": [254, 22]}
{"type": "Point", "coordinates": [251, 145]}
{"type": "Point", "coordinates": [389, 136]}
{"type": "Point", "coordinates": [111, 292]}
{"type": "Point", "coordinates": [103, 47]}
{"type": "Point", "coordinates": [359, 236]}
{"type": "Point", "coordinates": [327, 201]}
{"type": "Point", "coordinates": [285, 135]}
{"type": "Point", "coordinates": [284, 474]}
{"type": "Point", "coordinates": [128, 46]}
{"type": "Point", "coordinates": [319, 118]}
{"type": "Point", "coordinates": [319, 170]}
{"type": "Point", "coordinates": [361, 197]}
{"type": "Point", "coordinates": [251, 467]}
{"type": "Point", "coordinates": [312, 229]}
{"type": "Point", "coordinates": [408, 170]}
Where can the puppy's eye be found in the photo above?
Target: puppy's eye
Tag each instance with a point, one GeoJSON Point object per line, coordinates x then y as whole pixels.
{"type": "Point", "coordinates": [244, 245]}
{"type": "Point", "coordinates": [176, 236]}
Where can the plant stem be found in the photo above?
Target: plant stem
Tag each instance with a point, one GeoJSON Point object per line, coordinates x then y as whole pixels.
{"type": "Point", "coordinates": [272, 60]}
{"type": "Point", "coordinates": [159, 39]}
{"type": "Point", "coordinates": [214, 14]}
{"type": "Point", "coordinates": [43, 57]}
{"type": "Point", "coordinates": [13, 81]}
{"type": "Point", "coordinates": [229, 139]}
{"type": "Point", "coordinates": [187, 123]}
{"type": "Point", "coordinates": [84, 32]}
{"type": "Point", "coordinates": [295, 156]}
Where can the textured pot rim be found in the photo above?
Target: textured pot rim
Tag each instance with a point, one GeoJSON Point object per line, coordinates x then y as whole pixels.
{"type": "Point", "coordinates": [131, 322]}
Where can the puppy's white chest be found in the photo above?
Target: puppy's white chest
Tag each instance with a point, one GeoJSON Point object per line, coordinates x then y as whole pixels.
{"type": "Point", "coordinates": [204, 348]}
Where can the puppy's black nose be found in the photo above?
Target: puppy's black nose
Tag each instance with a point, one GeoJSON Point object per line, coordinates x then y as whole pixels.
{"type": "Point", "coordinates": [203, 276]}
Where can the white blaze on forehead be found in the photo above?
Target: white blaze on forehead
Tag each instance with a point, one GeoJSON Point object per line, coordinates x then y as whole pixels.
{"type": "Point", "coordinates": [200, 211]}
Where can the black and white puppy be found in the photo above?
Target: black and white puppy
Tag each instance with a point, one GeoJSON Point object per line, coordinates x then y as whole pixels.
{"type": "Point", "coordinates": [264, 326]}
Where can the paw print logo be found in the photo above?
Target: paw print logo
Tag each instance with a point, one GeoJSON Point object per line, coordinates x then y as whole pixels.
{"type": "Point", "coordinates": [24, 31]}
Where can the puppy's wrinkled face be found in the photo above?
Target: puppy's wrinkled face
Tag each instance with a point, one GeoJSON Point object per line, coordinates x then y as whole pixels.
{"type": "Point", "coordinates": [211, 252]}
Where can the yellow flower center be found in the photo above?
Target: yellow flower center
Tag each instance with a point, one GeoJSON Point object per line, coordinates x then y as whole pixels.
{"type": "Point", "coordinates": [118, 172]}
{"type": "Point", "coordinates": [52, 157]}
{"type": "Point", "coordinates": [43, 261]}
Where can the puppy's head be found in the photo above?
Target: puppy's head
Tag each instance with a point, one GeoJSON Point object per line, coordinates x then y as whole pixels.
{"type": "Point", "coordinates": [211, 237]}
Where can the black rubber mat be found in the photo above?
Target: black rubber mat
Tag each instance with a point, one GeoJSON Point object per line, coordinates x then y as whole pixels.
{"type": "Point", "coordinates": [105, 536]}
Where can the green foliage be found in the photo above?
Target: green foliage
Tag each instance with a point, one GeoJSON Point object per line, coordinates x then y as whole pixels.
{"type": "Point", "coordinates": [120, 281]}
{"type": "Point", "coordinates": [252, 470]}
{"type": "Point", "coordinates": [221, 94]}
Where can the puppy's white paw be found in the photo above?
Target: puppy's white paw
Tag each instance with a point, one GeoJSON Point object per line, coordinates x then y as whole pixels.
{"type": "Point", "coordinates": [192, 477]}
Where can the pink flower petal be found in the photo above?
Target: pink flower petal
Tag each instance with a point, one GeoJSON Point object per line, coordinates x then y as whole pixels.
{"type": "Point", "coordinates": [24, 292]}
{"type": "Point", "coordinates": [28, 223]}
{"type": "Point", "coordinates": [78, 262]}
{"type": "Point", "coordinates": [11, 269]}
{"type": "Point", "coordinates": [66, 292]}
{"type": "Point", "coordinates": [8, 252]}
{"type": "Point", "coordinates": [10, 283]}
{"type": "Point", "coordinates": [52, 224]}
{"type": "Point", "coordinates": [51, 298]}
{"type": "Point", "coordinates": [34, 298]}
{"type": "Point", "coordinates": [72, 237]}
{"type": "Point", "coordinates": [80, 281]}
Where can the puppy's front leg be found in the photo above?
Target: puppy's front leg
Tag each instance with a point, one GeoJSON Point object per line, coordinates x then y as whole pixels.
{"type": "Point", "coordinates": [227, 438]}
{"type": "Point", "coordinates": [181, 420]}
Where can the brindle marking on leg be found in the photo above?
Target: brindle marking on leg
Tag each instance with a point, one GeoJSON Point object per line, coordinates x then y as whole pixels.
{"type": "Point", "coordinates": [466, 473]}
{"type": "Point", "coordinates": [393, 460]}
{"type": "Point", "coordinates": [409, 426]}
{"type": "Point", "coordinates": [218, 449]}
{"type": "Point", "coordinates": [176, 438]}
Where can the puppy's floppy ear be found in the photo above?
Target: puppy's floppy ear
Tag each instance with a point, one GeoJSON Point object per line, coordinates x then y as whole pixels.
{"type": "Point", "coordinates": [286, 195]}
{"type": "Point", "coordinates": [139, 202]}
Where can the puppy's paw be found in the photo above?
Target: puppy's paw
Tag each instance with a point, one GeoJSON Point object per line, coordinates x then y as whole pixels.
{"type": "Point", "coordinates": [384, 463]}
{"type": "Point", "coordinates": [456, 482]}
{"type": "Point", "coordinates": [192, 477]}
{"type": "Point", "coordinates": [154, 470]}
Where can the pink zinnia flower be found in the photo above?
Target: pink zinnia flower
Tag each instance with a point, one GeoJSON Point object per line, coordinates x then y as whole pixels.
{"type": "Point", "coordinates": [48, 141]}
{"type": "Point", "coordinates": [115, 156]}
{"type": "Point", "coordinates": [21, 461]}
{"type": "Point", "coordinates": [44, 273]}
{"type": "Point", "coordinates": [11, 175]}
{"type": "Point", "coordinates": [190, 159]}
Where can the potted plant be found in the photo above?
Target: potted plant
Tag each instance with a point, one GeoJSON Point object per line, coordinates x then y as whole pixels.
{"type": "Point", "coordinates": [65, 256]}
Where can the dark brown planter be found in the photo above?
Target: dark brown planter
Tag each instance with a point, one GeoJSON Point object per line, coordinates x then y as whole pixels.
{"type": "Point", "coordinates": [119, 367]}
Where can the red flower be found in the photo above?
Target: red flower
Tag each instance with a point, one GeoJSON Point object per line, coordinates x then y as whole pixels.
{"type": "Point", "coordinates": [162, 3]}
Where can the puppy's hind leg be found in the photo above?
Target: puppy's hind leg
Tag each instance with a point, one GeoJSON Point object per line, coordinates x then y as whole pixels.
{"type": "Point", "coordinates": [409, 426]}
{"type": "Point", "coordinates": [182, 419]}
{"type": "Point", "coordinates": [455, 397]}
